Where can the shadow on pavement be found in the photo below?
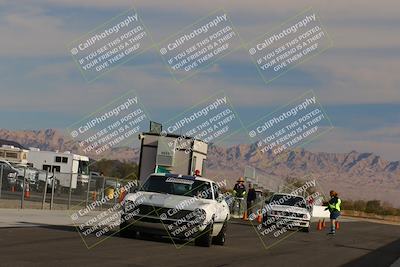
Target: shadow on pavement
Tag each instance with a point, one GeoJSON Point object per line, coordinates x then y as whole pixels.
{"type": "Point", "coordinates": [383, 256]}
{"type": "Point", "coordinates": [70, 228]}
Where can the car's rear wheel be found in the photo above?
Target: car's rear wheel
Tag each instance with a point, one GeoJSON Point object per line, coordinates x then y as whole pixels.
{"type": "Point", "coordinates": [221, 237]}
{"type": "Point", "coordinates": [205, 238]}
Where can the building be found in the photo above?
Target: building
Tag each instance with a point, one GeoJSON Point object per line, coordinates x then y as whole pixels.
{"type": "Point", "coordinates": [13, 152]}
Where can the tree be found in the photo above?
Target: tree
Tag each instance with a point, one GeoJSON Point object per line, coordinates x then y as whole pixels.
{"type": "Point", "coordinates": [116, 168]}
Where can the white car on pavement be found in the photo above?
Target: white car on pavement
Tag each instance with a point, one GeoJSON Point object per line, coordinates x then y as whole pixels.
{"type": "Point", "coordinates": [179, 206]}
{"type": "Point", "coordinates": [286, 210]}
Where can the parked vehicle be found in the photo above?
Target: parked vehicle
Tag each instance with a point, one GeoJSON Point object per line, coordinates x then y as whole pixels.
{"type": "Point", "coordinates": [65, 165]}
{"type": "Point", "coordinates": [31, 174]}
{"type": "Point", "coordinates": [41, 182]}
{"type": "Point", "coordinates": [284, 210]}
{"type": "Point", "coordinates": [9, 175]}
{"type": "Point", "coordinates": [179, 206]}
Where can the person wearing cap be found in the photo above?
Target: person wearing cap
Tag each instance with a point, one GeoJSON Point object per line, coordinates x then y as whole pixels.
{"type": "Point", "coordinates": [334, 210]}
{"type": "Point", "coordinates": [239, 191]}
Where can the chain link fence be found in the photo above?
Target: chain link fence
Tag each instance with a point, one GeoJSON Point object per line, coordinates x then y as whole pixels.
{"type": "Point", "coordinates": [25, 187]}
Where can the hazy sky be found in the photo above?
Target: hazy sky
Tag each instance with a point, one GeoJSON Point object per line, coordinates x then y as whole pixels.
{"type": "Point", "coordinates": [357, 80]}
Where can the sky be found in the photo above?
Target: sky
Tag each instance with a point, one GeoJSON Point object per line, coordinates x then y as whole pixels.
{"type": "Point", "coordinates": [357, 80]}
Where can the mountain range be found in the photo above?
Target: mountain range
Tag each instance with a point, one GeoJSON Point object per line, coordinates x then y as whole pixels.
{"type": "Point", "coordinates": [354, 175]}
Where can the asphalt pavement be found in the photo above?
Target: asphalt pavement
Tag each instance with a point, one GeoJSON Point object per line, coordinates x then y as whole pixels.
{"type": "Point", "coordinates": [355, 244]}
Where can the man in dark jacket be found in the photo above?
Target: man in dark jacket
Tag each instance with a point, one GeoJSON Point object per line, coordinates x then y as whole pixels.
{"type": "Point", "coordinates": [239, 192]}
{"type": "Point", "coordinates": [251, 197]}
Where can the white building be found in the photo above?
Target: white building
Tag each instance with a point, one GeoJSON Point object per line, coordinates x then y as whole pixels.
{"type": "Point", "coordinates": [71, 169]}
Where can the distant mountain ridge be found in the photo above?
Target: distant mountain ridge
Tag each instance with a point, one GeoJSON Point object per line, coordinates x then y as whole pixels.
{"type": "Point", "coordinates": [52, 140]}
{"type": "Point", "coordinates": [355, 175]}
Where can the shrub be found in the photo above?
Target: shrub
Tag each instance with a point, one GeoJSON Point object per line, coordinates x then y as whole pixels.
{"type": "Point", "coordinates": [359, 205]}
{"type": "Point", "coordinates": [347, 205]}
{"type": "Point", "coordinates": [373, 206]}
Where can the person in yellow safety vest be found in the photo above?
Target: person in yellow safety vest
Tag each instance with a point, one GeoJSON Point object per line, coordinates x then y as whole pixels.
{"type": "Point", "coordinates": [334, 209]}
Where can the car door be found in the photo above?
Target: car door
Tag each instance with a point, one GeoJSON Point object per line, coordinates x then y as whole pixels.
{"type": "Point", "coordinates": [221, 205]}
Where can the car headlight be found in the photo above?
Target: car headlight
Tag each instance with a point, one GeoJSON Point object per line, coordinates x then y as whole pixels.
{"type": "Point", "coordinates": [129, 206]}
{"type": "Point", "coordinates": [202, 214]}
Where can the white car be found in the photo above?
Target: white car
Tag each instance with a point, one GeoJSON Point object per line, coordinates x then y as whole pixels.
{"type": "Point", "coordinates": [31, 174]}
{"type": "Point", "coordinates": [283, 210]}
{"type": "Point", "coordinates": [179, 206]}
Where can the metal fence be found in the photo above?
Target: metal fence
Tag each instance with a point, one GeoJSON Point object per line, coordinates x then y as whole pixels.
{"type": "Point", "coordinates": [31, 188]}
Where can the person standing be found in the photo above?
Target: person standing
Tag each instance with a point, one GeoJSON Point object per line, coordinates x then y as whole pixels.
{"type": "Point", "coordinates": [239, 192]}
{"type": "Point", "coordinates": [251, 197]}
{"type": "Point", "coordinates": [334, 210]}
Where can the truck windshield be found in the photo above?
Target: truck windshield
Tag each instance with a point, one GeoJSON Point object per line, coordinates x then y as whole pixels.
{"type": "Point", "coordinates": [178, 186]}
{"type": "Point", "coordinates": [83, 167]}
{"type": "Point", "coordinates": [288, 200]}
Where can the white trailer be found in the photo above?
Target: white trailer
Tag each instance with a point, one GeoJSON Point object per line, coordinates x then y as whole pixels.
{"type": "Point", "coordinates": [70, 169]}
{"type": "Point", "coordinates": [13, 152]}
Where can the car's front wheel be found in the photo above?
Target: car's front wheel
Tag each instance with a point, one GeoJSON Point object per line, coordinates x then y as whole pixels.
{"type": "Point", "coordinates": [221, 237]}
{"type": "Point", "coordinates": [205, 238]}
{"type": "Point", "coordinates": [126, 231]}
{"type": "Point", "coordinates": [305, 229]}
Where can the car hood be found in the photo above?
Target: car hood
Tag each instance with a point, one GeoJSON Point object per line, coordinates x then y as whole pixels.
{"type": "Point", "coordinates": [289, 209]}
{"type": "Point", "coordinates": [168, 201]}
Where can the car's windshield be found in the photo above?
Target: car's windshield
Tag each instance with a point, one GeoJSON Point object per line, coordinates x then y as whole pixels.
{"type": "Point", "coordinates": [83, 167]}
{"type": "Point", "coordinates": [288, 200]}
{"type": "Point", "coordinates": [178, 186]}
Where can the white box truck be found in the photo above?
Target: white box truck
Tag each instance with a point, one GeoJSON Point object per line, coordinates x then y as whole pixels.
{"type": "Point", "coordinates": [171, 153]}
{"type": "Point", "coordinates": [70, 169]}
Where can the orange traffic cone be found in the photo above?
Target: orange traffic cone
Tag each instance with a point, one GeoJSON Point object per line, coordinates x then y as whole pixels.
{"type": "Point", "coordinates": [323, 223]}
{"type": "Point", "coordinates": [337, 225]}
{"type": "Point", "coordinates": [319, 225]}
{"type": "Point", "coordinates": [121, 195]}
{"type": "Point", "coordinates": [27, 192]}
{"type": "Point", "coordinates": [12, 188]}
{"type": "Point", "coordinates": [259, 218]}
{"type": "Point", "coordinates": [245, 216]}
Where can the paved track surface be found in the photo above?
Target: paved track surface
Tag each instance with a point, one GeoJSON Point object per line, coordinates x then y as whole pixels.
{"type": "Point", "coordinates": [356, 244]}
